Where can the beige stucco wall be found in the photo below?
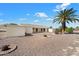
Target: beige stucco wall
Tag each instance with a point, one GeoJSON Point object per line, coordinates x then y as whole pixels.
{"type": "Point", "coordinates": [39, 29]}
{"type": "Point", "coordinates": [46, 29]}
{"type": "Point", "coordinates": [15, 31]}
{"type": "Point", "coordinates": [50, 30]}
{"type": "Point", "coordinates": [28, 30]}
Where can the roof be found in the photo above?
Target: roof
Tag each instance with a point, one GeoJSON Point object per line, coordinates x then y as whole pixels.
{"type": "Point", "coordinates": [33, 26]}
{"type": "Point", "coordinates": [25, 25]}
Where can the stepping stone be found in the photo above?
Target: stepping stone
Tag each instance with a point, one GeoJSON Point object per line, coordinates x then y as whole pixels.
{"type": "Point", "coordinates": [65, 50]}
{"type": "Point", "coordinates": [70, 47]}
{"type": "Point", "coordinates": [68, 51]}
{"type": "Point", "coordinates": [76, 41]}
{"type": "Point", "coordinates": [77, 52]}
{"type": "Point", "coordinates": [77, 49]}
{"type": "Point", "coordinates": [73, 43]}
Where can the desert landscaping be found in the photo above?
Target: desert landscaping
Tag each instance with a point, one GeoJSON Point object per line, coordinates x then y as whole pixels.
{"type": "Point", "coordinates": [39, 45]}
{"type": "Point", "coordinates": [39, 29]}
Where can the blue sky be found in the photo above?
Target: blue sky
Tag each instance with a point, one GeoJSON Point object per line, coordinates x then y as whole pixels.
{"type": "Point", "coordinates": [34, 13]}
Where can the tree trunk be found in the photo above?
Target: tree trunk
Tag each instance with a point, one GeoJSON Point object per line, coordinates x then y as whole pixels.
{"type": "Point", "coordinates": [63, 26]}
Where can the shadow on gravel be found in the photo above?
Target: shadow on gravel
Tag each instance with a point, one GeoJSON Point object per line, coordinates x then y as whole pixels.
{"type": "Point", "coordinates": [71, 33]}
{"type": "Point", "coordinates": [28, 34]}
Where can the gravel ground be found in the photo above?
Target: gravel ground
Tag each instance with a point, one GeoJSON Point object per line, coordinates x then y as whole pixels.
{"type": "Point", "coordinates": [38, 45]}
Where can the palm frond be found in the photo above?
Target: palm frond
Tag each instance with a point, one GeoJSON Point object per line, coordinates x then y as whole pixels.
{"type": "Point", "coordinates": [68, 15]}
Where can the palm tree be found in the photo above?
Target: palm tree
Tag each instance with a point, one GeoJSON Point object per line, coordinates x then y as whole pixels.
{"type": "Point", "coordinates": [65, 16]}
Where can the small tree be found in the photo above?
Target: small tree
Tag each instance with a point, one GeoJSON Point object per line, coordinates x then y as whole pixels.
{"type": "Point", "coordinates": [77, 27]}
{"type": "Point", "coordinates": [69, 30]}
{"type": "Point", "coordinates": [66, 16]}
{"type": "Point", "coordinates": [50, 27]}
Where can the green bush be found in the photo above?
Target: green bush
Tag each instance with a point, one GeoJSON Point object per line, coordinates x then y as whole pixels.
{"type": "Point", "coordinates": [69, 30]}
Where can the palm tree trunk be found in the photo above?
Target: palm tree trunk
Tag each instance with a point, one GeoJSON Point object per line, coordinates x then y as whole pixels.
{"type": "Point", "coordinates": [63, 26]}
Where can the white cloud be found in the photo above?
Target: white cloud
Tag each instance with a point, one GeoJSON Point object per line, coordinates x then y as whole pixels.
{"type": "Point", "coordinates": [36, 21]}
{"type": "Point", "coordinates": [62, 6]}
{"type": "Point", "coordinates": [49, 19]}
{"type": "Point", "coordinates": [27, 14]}
{"type": "Point", "coordinates": [41, 14]}
{"type": "Point", "coordinates": [22, 19]}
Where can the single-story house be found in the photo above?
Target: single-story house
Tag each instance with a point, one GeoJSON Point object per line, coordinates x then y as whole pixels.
{"type": "Point", "coordinates": [34, 28]}
{"type": "Point", "coordinates": [20, 30]}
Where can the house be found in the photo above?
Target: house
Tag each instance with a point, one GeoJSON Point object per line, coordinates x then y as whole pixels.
{"type": "Point", "coordinates": [15, 30]}
{"type": "Point", "coordinates": [30, 28]}
{"type": "Point", "coordinates": [20, 30]}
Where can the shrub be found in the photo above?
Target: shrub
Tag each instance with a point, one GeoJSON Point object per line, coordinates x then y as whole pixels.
{"type": "Point", "coordinates": [56, 31]}
{"type": "Point", "coordinates": [5, 47]}
{"type": "Point", "coordinates": [28, 34]}
{"type": "Point", "coordinates": [69, 30]}
{"type": "Point", "coordinates": [45, 35]}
